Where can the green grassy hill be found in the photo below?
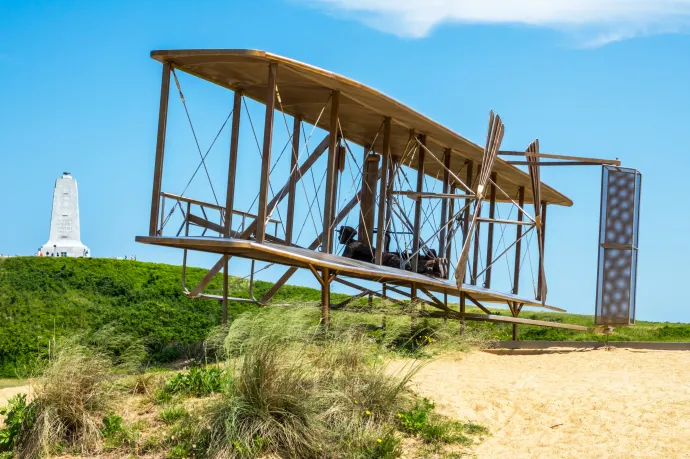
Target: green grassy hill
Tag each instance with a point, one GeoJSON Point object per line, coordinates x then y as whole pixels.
{"type": "Point", "coordinates": [43, 297]}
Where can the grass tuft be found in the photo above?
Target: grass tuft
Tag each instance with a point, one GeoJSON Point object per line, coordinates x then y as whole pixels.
{"type": "Point", "coordinates": [71, 399]}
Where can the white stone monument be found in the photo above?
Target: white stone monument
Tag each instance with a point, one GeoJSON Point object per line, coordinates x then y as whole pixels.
{"type": "Point", "coordinates": [65, 235]}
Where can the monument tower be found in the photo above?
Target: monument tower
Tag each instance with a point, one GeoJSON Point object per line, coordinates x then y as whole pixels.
{"type": "Point", "coordinates": [65, 235]}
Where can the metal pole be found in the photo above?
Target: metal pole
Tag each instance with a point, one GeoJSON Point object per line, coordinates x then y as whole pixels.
{"type": "Point", "coordinates": [364, 202]}
{"type": "Point", "coordinates": [490, 237]}
{"type": "Point", "coordinates": [325, 296]}
{"type": "Point", "coordinates": [418, 205]}
{"type": "Point", "coordinates": [292, 185]}
{"type": "Point", "coordinates": [466, 216]}
{"type": "Point", "coordinates": [232, 167]}
{"type": "Point", "coordinates": [160, 150]}
{"type": "Point", "coordinates": [266, 158]}
{"type": "Point", "coordinates": [383, 191]}
{"type": "Point", "coordinates": [368, 211]}
{"type": "Point", "coordinates": [451, 233]}
{"type": "Point", "coordinates": [444, 204]}
{"type": "Point", "coordinates": [331, 166]}
{"type": "Point", "coordinates": [226, 292]}
{"type": "Point", "coordinates": [389, 203]}
{"type": "Point", "coordinates": [518, 244]}
{"type": "Point", "coordinates": [541, 294]}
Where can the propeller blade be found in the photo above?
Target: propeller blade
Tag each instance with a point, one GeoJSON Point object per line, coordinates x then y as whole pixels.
{"type": "Point", "coordinates": [494, 137]}
{"type": "Point", "coordinates": [533, 165]}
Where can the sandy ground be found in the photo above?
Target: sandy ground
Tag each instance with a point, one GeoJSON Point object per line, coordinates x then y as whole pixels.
{"type": "Point", "coordinates": [9, 392]}
{"type": "Point", "coordinates": [571, 404]}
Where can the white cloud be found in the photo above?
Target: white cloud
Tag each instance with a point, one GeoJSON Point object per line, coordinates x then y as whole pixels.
{"type": "Point", "coordinates": [595, 22]}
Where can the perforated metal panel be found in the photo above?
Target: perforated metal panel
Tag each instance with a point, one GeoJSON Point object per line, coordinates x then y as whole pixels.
{"type": "Point", "coordinates": [618, 237]}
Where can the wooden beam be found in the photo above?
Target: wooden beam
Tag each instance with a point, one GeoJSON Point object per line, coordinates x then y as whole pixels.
{"type": "Point", "coordinates": [452, 229]}
{"type": "Point", "coordinates": [611, 162]}
{"type": "Point", "coordinates": [208, 277]}
{"type": "Point", "coordinates": [232, 166]}
{"type": "Point", "coordinates": [331, 166]}
{"type": "Point", "coordinates": [383, 191]}
{"type": "Point", "coordinates": [466, 217]}
{"type": "Point", "coordinates": [424, 195]}
{"type": "Point", "coordinates": [262, 212]}
{"type": "Point", "coordinates": [209, 205]}
{"type": "Point", "coordinates": [226, 291]}
{"type": "Point", "coordinates": [490, 237]}
{"type": "Point", "coordinates": [204, 223]}
{"type": "Point", "coordinates": [325, 296]}
{"type": "Point", "coordinates": [417, 229]}
{"type": "Point", "coordinates": [517, 320]}
{"type": "Point", "coordinates": [160, 150]}
{"type": "Point", "coordinates": [518, 244]}
{"type": "Point", "coordinates": [541, 282]}
{"type": "Point", "coordinates": [476, 303]}
{"type": "Point", "coordinates": [555, 163]}
{"type": "Point", "coordinates": [444, 203]}
{"type": "Point", "coordinates": [368, 203]}
{"type": "Point", "coordinates": [292, 181]}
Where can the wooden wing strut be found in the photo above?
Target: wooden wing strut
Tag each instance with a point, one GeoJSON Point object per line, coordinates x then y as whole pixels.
{"type": "Point", "coordinates": [494, 137]}
{"type": "Point", "coordinates": [533, 165]}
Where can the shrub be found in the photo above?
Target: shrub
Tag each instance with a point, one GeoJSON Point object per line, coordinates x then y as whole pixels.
{"type": "Point", "coordinates": [17, 414]}
{"type": "Point", "coordinates": [71, 399]}
{"type": "Point", "coordinates": [269, 407]}
{"type": "Point", "coordinates": [125, 351]}
{"type": "Point", "coordinates": [299, 392]}
{"type": "Point", "coordinates": [115, 433]}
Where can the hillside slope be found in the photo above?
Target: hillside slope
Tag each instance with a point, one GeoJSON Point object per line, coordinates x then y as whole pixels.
{"type": "Point", "coordinates": [40, 297]}
{"type": "Point", "coordinates": [43, 297]}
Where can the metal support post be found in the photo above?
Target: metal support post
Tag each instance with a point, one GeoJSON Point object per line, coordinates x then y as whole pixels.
{"type": "Point", "coordinates": [331, 167]}
{"type": "Point", "coordinates": [444, 203]}
{"type": "Point", "coordinates": [368, 203]}
{"type": "Point", "coordinates": [418, 205]}
{"type": "Point", "coordinates": [226, 292]}
{"type": "Point", "coordinates": [383, 191]}
{"type": "Point", "coordinates": [232, 168]}
{"type": "Point", "coordinates": [466, 216]}
{"type": "Point", "coordinates": [451, 231]}
{"type": "Point", "coordinates": [266, 157]}
{"type": "Point", "coordinates": [325, 296]}
{"type": "Point", "coordinates": [518, 244]}
{"type": "Point", "coordinates": [160, 150]}
{"type": "Point", "coordinates": [292, 184]}
{"type": "Point", "coordinates": [490, 236]}
{"type": "Point", "coordinates": [541, 290]}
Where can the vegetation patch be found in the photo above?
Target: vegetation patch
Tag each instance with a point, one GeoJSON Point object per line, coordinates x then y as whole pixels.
{"type": "Point", "coordinates": [196, 382]}
{"type": "Point", "coordinates": [435, 429]}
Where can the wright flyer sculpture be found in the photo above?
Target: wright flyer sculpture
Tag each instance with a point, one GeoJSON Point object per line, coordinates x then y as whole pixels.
{"type": "Point", "coordinates": [435, 215]}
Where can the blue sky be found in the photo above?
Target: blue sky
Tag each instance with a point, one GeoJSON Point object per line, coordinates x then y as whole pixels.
{"type": "Point", "coordinates": [80, 94]}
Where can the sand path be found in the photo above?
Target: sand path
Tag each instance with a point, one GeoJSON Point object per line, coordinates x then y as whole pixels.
{"type": "Point", "coordinates": [574, 404]}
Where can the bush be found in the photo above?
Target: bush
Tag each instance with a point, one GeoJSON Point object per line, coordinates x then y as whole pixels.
{"type": "Point", "coordinates": [269, 407]}
{"type": "Point", "coordinates": [71, 400]}
{"type": "Point", "coordinates": [17, 414]}
{"type": "Point", "coordinates": [116, 433]}
{"type": "Point", "coordinates": [197, 382]}
{"type": "Point", "coordinates": [299, 392]}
